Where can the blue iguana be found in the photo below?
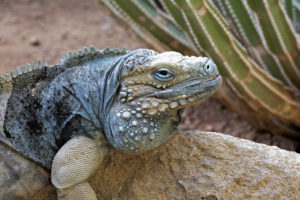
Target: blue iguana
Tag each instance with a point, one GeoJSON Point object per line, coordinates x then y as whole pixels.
{"type": "Point", "coordinates": [65, 117]}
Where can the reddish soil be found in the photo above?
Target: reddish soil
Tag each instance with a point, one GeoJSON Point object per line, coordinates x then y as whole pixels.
{"type": "Point", "coordinates": [41, 29]}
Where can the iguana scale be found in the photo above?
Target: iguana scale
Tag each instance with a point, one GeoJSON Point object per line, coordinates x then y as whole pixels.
{"type": "Point", "coordinates": [65, 117]}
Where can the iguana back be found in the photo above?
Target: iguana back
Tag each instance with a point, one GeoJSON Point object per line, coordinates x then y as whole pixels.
{"type": "Point", "coordinates": [20, 103]}
{"type": "Point", "coordinates": [37, 102]}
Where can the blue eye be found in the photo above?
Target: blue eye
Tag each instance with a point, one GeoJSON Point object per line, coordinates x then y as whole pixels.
{"type": "Point", "coordinates": [163, 74]}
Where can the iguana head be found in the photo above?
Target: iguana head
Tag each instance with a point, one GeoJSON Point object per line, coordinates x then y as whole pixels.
{"type": "Point", "coordinates": [151, 95]}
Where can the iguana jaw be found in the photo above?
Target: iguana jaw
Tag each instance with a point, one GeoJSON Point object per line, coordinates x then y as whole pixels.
{"type": "Point", "coordinates": [194, 88]}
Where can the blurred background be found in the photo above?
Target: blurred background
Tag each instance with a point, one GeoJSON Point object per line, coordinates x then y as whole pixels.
{"type": "Point", "coordinates": [41, 29]}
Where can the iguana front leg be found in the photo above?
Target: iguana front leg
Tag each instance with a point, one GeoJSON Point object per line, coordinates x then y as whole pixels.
{"type": "Point", "coordinates": [73, 164]}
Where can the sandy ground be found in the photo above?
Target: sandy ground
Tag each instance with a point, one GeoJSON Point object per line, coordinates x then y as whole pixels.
{"type": "Point", "coordinates": [41, 29]}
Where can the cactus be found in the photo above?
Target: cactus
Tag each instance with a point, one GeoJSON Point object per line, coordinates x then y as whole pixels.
{"type": "Point", "coordinates": [253, 42]}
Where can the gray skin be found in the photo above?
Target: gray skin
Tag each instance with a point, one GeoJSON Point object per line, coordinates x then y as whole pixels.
{"type": "Point", "coordinates": [91, 93]}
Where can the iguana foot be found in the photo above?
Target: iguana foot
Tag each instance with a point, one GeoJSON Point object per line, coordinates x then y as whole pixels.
{"type": "Point", "coordinates": [73, 164]}
{"type": "Point", "coordinates": [80, 191]}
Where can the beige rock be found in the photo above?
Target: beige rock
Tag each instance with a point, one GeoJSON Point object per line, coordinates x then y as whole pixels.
{"type": "Point", "coordinates": [198, 165]}
{"type": "Point", "coordinates": [19, 177]}
{"type": "Point", "coordinates": [201, 165]}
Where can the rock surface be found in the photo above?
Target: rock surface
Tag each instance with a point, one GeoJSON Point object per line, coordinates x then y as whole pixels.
{"type": "Point", "coordinates": [198, 165]}
{"type": "Point", "coordinates": [19, 177]}
{"type": "Point", "coordinates": [195, 165]}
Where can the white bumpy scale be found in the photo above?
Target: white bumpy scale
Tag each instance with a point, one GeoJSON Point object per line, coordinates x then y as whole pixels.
{"type": "Point", "coordinates": [73, 164]}
{"type": "Point", "coordinates": [81, 191]}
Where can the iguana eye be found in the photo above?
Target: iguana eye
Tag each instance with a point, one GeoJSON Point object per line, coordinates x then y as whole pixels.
{"type": "Point", "coordinates": [209, 67]}
{"type": "Point", "coordinates": [163, 74]}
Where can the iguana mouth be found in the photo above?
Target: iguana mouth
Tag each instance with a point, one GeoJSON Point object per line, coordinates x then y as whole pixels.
{"type": "Point", "coordinates": [197, 88]}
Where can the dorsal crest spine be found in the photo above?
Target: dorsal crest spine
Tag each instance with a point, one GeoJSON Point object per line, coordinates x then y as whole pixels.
{"type": "Point", "coordinates": [21, 70]}
{"type": "Point", "coordinates": [71, 57]}
{"type": "Point", "coordinates": [74, 56]}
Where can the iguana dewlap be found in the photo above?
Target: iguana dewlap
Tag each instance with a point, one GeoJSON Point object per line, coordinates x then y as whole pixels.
{"type": "Point", "coordinates": [65, 117]}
